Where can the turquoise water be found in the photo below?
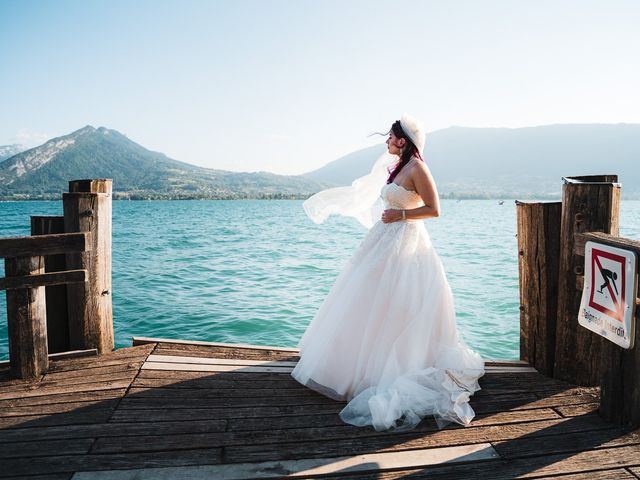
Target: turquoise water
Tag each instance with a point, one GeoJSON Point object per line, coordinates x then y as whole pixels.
{"type": "Point", "coordinates": [255, 271]}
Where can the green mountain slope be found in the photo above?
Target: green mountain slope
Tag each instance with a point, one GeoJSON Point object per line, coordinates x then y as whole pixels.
{"type": "Point", "coordinates": [44, 172]}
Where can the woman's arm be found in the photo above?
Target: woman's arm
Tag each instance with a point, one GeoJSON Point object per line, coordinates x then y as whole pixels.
{"type": "Point", "coordinates": [426, 187]}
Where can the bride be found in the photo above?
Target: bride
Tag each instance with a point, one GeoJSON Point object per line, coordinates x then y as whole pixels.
{"type": "Point", "coordinates": [385, 337]}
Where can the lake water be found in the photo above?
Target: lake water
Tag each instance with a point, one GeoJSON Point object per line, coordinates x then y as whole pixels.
{"type": "Point", "coordinates": [256, 271]}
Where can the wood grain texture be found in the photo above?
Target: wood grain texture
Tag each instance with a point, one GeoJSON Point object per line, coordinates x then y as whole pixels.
{"type": "Point", "coordinates": [538, 262]}
{"type": "Point", "coordinates": [27, 321]}
{"type": "Point", "coordinates": [55, 295]}
{"type": "Point", "coordinates": [43, 245]}
{"type": "Point", "coordinates": [105, 415]}
{"type": "Point", "coordinates": [586, 207]}
{"type": "Point", "coordinates": [620, 375]}
{"type": "Point", "coordinates": [90, 306]}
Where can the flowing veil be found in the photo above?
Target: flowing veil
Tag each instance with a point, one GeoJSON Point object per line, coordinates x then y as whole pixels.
{"type": "Point", "coordinates": [360, 200]}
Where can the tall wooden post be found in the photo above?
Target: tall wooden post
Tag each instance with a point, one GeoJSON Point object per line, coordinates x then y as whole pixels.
{"type": "Point", "coordinates": [56, 295]}
{"type": "Point", "coordinates": [87, 208]}
{"type": "Point", "coordinates": [27, 320]}
{"type": "Point", "coordinates": [538, 261]}
{"type": "Point", "coordinates": [620, 372]}
{"type": "Point", "coordinates": [589, 204]}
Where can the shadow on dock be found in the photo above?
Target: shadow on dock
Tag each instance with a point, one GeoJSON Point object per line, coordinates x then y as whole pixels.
{"type": "Point", "coordinates": [195, 411]}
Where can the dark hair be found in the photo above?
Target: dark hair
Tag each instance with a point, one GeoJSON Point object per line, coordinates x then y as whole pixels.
{"type": "Point", "coordinates": [409, 151]}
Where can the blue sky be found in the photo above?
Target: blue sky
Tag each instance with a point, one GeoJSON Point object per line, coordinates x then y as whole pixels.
{"type": "Point", "coordinates": [290, 85]}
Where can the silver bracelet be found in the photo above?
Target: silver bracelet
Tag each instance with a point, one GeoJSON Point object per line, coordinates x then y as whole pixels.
{"type": "Point", "coordinates": [404, 215]}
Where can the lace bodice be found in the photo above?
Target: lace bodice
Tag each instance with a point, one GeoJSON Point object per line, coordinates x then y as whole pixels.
{"type": "Point", "coordinates": [396, 196]}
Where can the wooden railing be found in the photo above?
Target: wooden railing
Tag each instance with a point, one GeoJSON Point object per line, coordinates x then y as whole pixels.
{"type": "Point", "coordinates": [24, 281]}
{"type": "Point", "coordinates": [58, 281]}
{"type": "Point", "coordinates": [551, 240]}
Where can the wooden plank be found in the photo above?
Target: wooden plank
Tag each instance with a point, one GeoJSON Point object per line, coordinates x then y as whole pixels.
{"type": "Point", "coordinates": [170, 401]}
{"type": "Point", "coordinates": [58, 356]}
{"type": "Point", "coordinates": [43, 448]}
{"type": "Point", "coordinates": [489, 405]}
{"type": "Point", "coordinates": [567, 442]}
{"type": "Point", "coordinates": [111, 430]}
{"type": "Point", "coordinates": [178, 393]}
{"type": "Point", "coordinates": [83, 415]}
{"type": "Point", "coordinates": [73, 463]}
{"type": "Point", "coordinates": [482, 470]}
{"type": "Point", "coordinates": [84, 367]}
{"type": "Point", "coordinates": [240, 424]}
{"type": "Point", "coordinates": [143, 350]}
{"type": "Point", "coordinates": [62, 398]}
{"type": "Point", "coordinates": [56, 390]}
{"type": "Point", "coordinates": [345, 439]}
{"type": "Point", "coordinates": [57, 476]}
{"type": "Point", "coordinates": [214, 368]}
{"type": "Point", "coordinates": [143, 411]}
{"type": "Point", "coordinates": [499, 405]}
{"type": "Point", "coordinates": [87, 371]}
{"type": "Point", "coordinates": [58, 408]}
{"type": "Point", "coordinates": [43, 279]}
{"type": "Point", "coordinates": [577, 410]}
{"type": "Point", "coordinates": [56, 295]}
{"type": "Point", "coordinates": [586, 207]}
{"type": "Point", "coordinates": [538, 260]}
{"type": "Point", "coordinates": [217, 361]}
{"type": "Point", "coordinates": [510, 369]}
{"type": "Point", "coordinates": [41, 245]}
{"type": "Point", "coordinates": [144, 340]}
{"type": "Point", "coordinates": [303, 444]}
{"type": "Point", "coordinates": [311, 467]}
{"type": "Point", "coordinates": [26, 320]}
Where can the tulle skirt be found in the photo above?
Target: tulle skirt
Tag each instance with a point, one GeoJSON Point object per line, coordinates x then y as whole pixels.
{"type": "Point", "coordinates": [385, 337]}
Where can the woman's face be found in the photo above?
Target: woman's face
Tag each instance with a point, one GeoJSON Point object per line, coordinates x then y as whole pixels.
{"type": "Point", "coordinates": [395, 144]}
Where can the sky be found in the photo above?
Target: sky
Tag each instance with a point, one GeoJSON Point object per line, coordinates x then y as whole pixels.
{"type": "Point", "coordinates": [288, 86]}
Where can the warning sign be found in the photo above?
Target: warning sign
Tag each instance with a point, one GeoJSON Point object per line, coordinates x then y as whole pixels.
{"type": "Point", "coordinates": [609, 293]}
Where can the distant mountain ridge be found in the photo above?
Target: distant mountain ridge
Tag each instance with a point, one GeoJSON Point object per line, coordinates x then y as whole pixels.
{"type": "Point", "coordinates": [521, 162]}
{"type": "Point", "coordinates": [44, 172]}
{"type": "Point", "coordinates": [7, 151]}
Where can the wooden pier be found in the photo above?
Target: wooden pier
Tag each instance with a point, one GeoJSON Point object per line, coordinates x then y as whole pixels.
{"type": "Point", "coordinates": [191, 410]}
{"type": "Point", "coordinates": [73, 408]}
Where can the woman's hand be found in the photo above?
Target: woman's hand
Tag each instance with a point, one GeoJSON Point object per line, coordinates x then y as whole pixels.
{"type": "Point", "coordinates": [390, 216]}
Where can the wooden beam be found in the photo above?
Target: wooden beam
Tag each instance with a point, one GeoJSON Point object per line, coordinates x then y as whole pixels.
{"type": "Point", "coordinates": [620, 378]}
{"type": "Point", "coordinates": [43, 279]}
{"type": "Point", "coordinates": [87, 208]}
{"type": "Point", "coordinates": [589, 203]}
{"type": "Point", "coordinates": [41, 245]}
{"type": "Point", "coordinates": [538, 260]}
{"type": "Point", "coordinates": [56, 295]}
{"type": "Point", "coordinates": [27, 320]}
{"type": "Point", "coordinates": [145, 340]}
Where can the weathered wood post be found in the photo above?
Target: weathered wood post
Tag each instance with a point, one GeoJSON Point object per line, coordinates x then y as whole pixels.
{"type": "Point", "coordinates": [27, 320]}
{"type": "Point", "coordinates": [620, 373]}
{"type": "Point", "coordinates": [538, 261]}
{"type": "Point", "coordinates": [87, 208]}
{"type": "Point", "coordinates": [56, 295]}
{"type": "Point", "coordinates": [589, 204]}
{"type": "Point", "coordinates": [25, 284]}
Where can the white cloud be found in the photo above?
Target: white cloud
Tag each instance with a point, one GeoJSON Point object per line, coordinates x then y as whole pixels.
{"type": "Point", "coordinates": [30, 139]}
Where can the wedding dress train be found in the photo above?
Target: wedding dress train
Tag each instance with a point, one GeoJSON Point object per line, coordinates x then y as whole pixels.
{"type": "Point", "coordinates": [385, 337]}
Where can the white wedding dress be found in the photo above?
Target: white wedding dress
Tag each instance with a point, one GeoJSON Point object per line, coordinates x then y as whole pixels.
{"type": "Point", "coordinates": [385, 337]}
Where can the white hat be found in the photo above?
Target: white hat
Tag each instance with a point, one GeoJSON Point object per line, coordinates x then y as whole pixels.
{"type": "Point", "coordinates": [414, 129]}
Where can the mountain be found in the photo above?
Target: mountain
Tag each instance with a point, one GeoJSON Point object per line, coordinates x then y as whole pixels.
{"type": "Point", "coordinates": [519, 162]}
{"type": "Point", "coordinates": [44, 172]}
{"type": "Point", "coordinates": [7, 151]}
